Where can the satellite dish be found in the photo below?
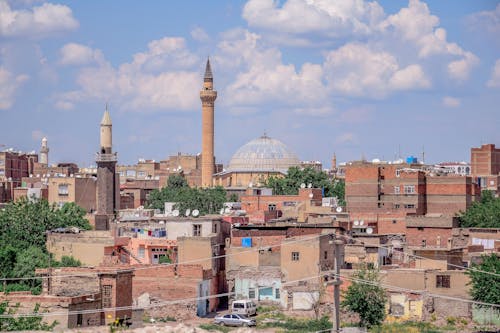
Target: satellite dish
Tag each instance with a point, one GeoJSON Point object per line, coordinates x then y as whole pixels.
{"type": "Point", "coordinates": [175, 212]}
{"type": "Point", "coordinates": [302, 185]}
{"type": "Point", "coordinates": [227, 210]}
{"type": "Point", "coordinates": [361, 222]}
{"type": "Point", "coordinates": [356, 222]}
{"type": "Point", "coordinates": [221, 211]}
{"type": "Point", "coordinates": [162, 222]}
{"type": "Point", "coordinates": [196, 212]}
{"type": "Point", "coordinates": [188, 211]}
{"type": "Point", "coordinates": [369, 230]}
{"type": "Point", "coordinates": [311, 195]}
{"type": "Point", "coordinates": [339, 209]}
{"type": "Point", "coordinates": [309, 185]}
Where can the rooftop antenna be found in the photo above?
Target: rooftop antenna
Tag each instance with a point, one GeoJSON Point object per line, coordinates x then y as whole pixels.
{"type": "Point", "coordinates": [423, 154]}
{"type": "Point", "coordinates": [399, 151]}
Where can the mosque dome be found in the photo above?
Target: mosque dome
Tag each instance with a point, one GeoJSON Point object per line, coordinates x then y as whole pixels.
{"type": "Point", "coordinates": [263, 155]}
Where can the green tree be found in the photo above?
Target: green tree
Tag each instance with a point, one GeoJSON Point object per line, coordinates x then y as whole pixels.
{"type": "Point", "coordinates": [290, 184]}
{"type": "Point", "coordinates": [23, 227]}
{"type": "Point", "coordinates": [206, 200]}
{"type": "Point", "coordinates": [13, 323]}
{"type": "Point", "coordinates": [366, 297]}
{"type": "Point", "coordinates": [482, 214]}
{"type": "Point", "coordinates": [485, 287]}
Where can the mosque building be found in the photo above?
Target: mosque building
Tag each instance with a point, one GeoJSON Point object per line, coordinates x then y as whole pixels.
{"type": "Point", "coordinates": [252, 163]}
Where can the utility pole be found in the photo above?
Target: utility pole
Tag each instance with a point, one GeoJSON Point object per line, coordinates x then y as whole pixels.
{"type": "Point", "coordinates": [336, 287]}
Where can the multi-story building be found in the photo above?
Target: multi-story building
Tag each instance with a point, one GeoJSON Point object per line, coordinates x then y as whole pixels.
{"type": "Point", "coordinates": [80, 190]}
{"type": "Point", "coordinates": [14, 166]}
{"type": "Point", "coordinates": [485, 165]}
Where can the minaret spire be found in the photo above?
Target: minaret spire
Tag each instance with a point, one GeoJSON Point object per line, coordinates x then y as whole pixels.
{"type": "Point", "coordinates": [208, 72]}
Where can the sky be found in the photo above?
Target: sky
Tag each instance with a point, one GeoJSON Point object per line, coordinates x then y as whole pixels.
{"type": "Point", "coordinates": [359, 79]}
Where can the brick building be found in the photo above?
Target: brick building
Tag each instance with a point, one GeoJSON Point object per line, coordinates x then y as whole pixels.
{"type": "Point", "coordinates": [13, 167]}
{"type": "Point", "coordinates": [384, 194]}
{"type": "Point", "coordinates": [485, 165]}
{"type": "Point", "coordinates": [80, 190]}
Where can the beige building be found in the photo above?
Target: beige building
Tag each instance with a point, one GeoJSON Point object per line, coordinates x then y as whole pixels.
{"type": "Point", "coordinates": [79, 190]}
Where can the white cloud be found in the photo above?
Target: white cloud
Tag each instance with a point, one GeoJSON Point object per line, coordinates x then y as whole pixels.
{"type": "Point", "coordinates": [357, 70]}
{"type": "Point", "coordinates": [160, 78]}
{"type": "Point", "coordinates": [416, 24]}
{"type": "Point", "coordinates": [9, 84]}
{"type": "Point", "coordinates": [38, 21]}
{"type": "Point", "coordinates": [460, 69]}
{"type": "Point", "coordinates": [451, 102]}
{"type": "Point", "coordinates": [200, 35]}
{"type": "Point", "coordinates": [37, 135]}
{"type": "Point", "coordinates": [494, 81]}
{"type": "Point", "coordinates": [264, 78]}
{"type": "Point", "coordinates": [332, 18]}
{"type": "Point", "coordinates": [77, 54]}
{"type": "Point", "coordinates": [346, 138]}
{"type": "Point", "coordinates": [486, 20]}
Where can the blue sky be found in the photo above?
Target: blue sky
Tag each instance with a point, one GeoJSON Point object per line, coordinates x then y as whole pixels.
{"type": "Point", "coordinates": [356, 78]}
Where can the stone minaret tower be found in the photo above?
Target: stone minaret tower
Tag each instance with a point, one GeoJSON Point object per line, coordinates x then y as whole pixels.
{"type": "Point", "coordinates": [44, 152]}
{"type": "Point", "coordinates": [108, 191]}
{"type": "Point", "coordinates": [207, 96]}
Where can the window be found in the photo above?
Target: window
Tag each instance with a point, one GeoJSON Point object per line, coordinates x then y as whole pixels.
{"type": "Point", "coordinates": [106, 296]}
{"type": "Point", "coordinates": [251, 293]}
{"type": "Point", "coordinates": [398, 172]}
{"type": "Point", "coordinates": [409, 189]}
{"type": "Point", "coordinates": [295, 256]}
{"type": "Point", "coordinates": [277, 293]}
{"type": "Point", "coordinates": [326, 255]}
{"type": "Point", "coordinates": [409, 206]}
{"type": "Point", "coordinates": [140, 252]}
{"type": "Point", "coordinates": [63, 189]}
{"type": "Point", "coordinates": [397, 189]}
{"type": "Point", "coordinates": [442, 281]}
{"type": "Point", "coordinates": [214, 227]}
{"type": "Point", "coordinates": [271, 207]}
{"type": "Point", "coordinates": [196, 229]}
{"type": "Point", "coordinates": [141, 174]}
{"type": "Point", "coordinates": [396, 206]}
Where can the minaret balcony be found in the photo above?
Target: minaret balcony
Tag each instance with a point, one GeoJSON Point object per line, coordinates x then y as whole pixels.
{"type": "Point", "coordinates": [102, 157]}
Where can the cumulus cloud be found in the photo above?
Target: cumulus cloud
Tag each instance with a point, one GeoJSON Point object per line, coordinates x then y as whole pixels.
{"type": "Point", "coordinates": [357, 70]}
{"type": "Point", "coordinates": [332, 18]}
{"type": "Point", "coordinates": [494, 81]}
{"type": "Point", "coordinates": [200, 35]}
{"type": "Point", "coordinates": [159, 78]}
{"type": "Point", "coordinates": [9, 83]}
{"type": "Point", "coordinates": [486, 20]}
{"type": "Point", "coordinates": [416, 24]}
{"type": "Point", "coordinates": [346, 138]}
{"type": "Point", "coordinates": [451, 102]}
{"type": "Point", "coordinates": [39, 21]}
{"type": "Point", "coordinates": [264, 78]}
{"type": "Point", "coordinates": [77, 54]}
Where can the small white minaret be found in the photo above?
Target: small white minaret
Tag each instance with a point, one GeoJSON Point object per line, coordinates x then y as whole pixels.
{"type": "Point", "coordinates": [44, 152]}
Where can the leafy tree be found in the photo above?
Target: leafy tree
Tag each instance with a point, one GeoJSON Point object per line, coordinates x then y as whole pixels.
{"type": "Point", "coordinates": [67, 261]}
{"type": "Point", "coordinates": [23, 226]}
{"type": "Point", "coordinates": [22, 323]}
{"type": "Point", "coordinates": [366, 297]}
{"type": "Point", "coordinates": [206, 200]}
{"type": "Point", "coordinates": [485, 287]}
{"type": "Point", "coordinates": [290, 184]}
{"type": "Point", "coordinates": [482, 214]}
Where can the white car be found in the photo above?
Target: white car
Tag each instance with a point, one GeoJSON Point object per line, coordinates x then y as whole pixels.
{"type": "Point", "coordinates": [233, 319]}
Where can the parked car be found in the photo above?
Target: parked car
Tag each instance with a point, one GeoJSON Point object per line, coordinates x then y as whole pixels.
{"type": "Point", "coordinates": [233, 319]}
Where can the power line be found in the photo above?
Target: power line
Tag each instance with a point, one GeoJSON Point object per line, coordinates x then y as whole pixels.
{"type": "Point", "coordinates": [163, 303]}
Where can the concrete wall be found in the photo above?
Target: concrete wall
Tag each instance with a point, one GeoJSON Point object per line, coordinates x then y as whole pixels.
{"type": "Point", "coordinates": [86, 246]}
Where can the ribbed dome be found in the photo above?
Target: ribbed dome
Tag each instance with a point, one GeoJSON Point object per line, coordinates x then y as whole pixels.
{"type": "Point", "coordinates": [262, 155]}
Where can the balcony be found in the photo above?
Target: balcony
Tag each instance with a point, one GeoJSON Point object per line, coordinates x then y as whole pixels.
{"type": "Point", "coordinates": [101, 157]}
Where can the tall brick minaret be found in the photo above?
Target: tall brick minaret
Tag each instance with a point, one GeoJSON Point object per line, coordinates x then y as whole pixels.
{"type": "Point", "coordinates": [207, 96]}
{"type": "Point", "coordinates": [108, 191]}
